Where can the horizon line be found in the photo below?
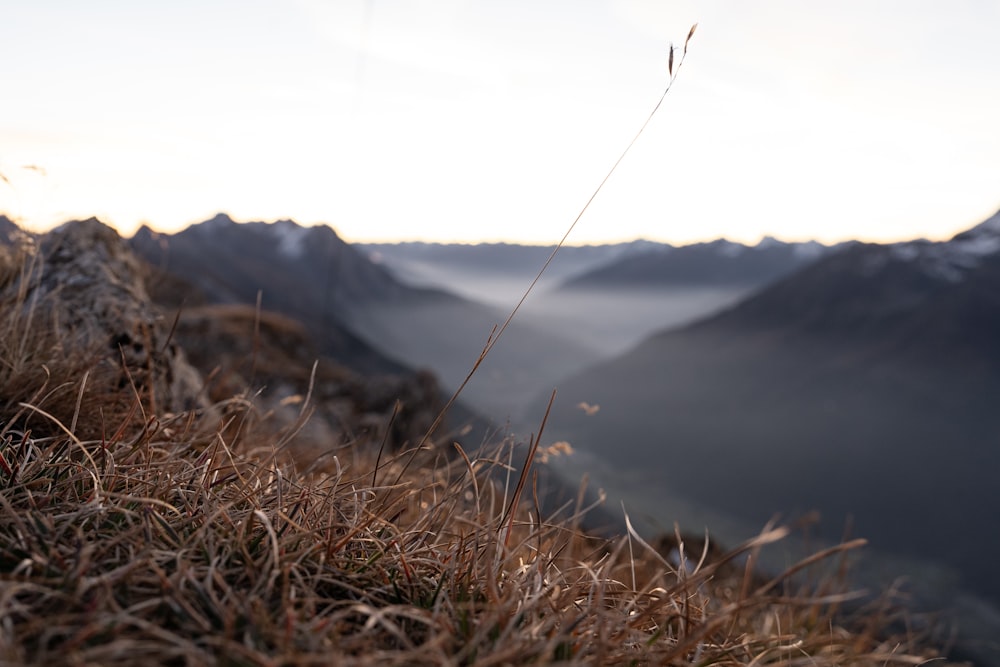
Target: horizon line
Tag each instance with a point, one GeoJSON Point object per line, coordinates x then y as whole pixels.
{"type": "Point", "coordinates": [494, 240]}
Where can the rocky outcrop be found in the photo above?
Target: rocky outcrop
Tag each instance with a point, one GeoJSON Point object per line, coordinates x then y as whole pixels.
{"type": "Point", "coordinates": [81, 289]}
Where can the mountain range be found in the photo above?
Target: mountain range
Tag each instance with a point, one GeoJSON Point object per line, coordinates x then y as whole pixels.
{"type": "Point", "coordinates": [607, 297]}
{"type": "Point", "coordinates": [491, 270]}
{"type": "Point", "coordinates": [309, 274]}
{"type": "Point", "coordinates": [864, 385]}
{"type": "Point", "coordinates": [353, 307]}
{"type": "Point", "coordinates": [718, 263]}
{"type": "Point", "coordinates": [860, 380]}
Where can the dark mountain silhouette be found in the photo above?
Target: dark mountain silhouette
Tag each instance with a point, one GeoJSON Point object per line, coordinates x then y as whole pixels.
{"type": "Point", "coordinates": [717, 263]}
{"type": "Point", "coordinates": [863, 385]}
{"type": "Point", "coordinates": [307, 274]}
{"type": "Point", "coordinates": [349, 302]}
{"type": "Point", "coordinates": [232, 260]}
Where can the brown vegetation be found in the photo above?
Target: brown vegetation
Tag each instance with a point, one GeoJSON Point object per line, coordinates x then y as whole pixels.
{"type": "Point", "coordinates": [204, 537]}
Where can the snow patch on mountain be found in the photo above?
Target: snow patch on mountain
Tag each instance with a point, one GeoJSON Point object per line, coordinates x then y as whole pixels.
{"type": "Point", "coordinates": [291, 238]}
{"type": "Point", "coordinates": [975, 247]}
{"type": "Point", "coordinates": [951, 260]}
{"type": "Point", "coordinates": [905, 252]}
{"type": "Point", "coordinates": [934, 259]}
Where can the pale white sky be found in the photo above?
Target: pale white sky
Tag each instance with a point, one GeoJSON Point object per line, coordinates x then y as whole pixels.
{"type": "Point", "coordinates": [474, 120]}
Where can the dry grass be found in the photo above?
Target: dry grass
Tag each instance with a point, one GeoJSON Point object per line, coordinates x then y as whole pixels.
{"type": "Point", "coordinates": [187, 542]}
{"type": "Point", "coordinates": [160, 548]}
{"type": "Point", "coordinates": [44, 373]}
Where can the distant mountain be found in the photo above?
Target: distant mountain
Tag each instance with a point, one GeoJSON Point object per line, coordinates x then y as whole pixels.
{"type": "Point", "coordinates": [306, 273]}
{"type": "Point", "coordinates": [866, 384]}
{"type": "Point", "coordinates": [719, 263]}
{"type": "Point", "coordinates": [349, 302]}
{"type": "Point", "coordinates": [507, 258]}
{"type": "Point", "coordinates": [233, 260]}
{"type": "Point", "coordinates": [606, 297]}
{"type": "Point", "coordinates": [493, 272]}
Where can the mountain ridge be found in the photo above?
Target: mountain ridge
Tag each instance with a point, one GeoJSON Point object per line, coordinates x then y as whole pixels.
{"type": "Point", "coordinates": [709, 264]}
{"type": "Point", "coordinates": [309, 273]}
{"type": "Point", "coordinates": [864, 385]}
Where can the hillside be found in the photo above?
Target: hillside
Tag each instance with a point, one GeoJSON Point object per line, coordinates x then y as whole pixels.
{"type": "Point", "coordinates": [865, 386]}
{"type": "Point", "coordinates": [150, 518]}
{"type": "Point", "coordinates": [347, 302]}
{"type": "Point", "coordinates": [219, 262]}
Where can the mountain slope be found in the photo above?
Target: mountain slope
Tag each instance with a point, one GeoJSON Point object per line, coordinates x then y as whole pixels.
{"type": "Point", "coordinates": [313, 276]}
{"type": "Point", "coordinates": [864, 385]}
{"type": "Point", "coordinates": [230, 260]}
{"type": "Point", "coordinates": [307, 274]}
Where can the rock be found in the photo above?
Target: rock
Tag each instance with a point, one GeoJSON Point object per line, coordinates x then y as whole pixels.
{"type": "Point", "coordinates": [84, 288]}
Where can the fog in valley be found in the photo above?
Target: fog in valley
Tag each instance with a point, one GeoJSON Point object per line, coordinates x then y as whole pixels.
{"type": "Point", "coordinates": [554, 335]}
{"type": "Point", "coordinates": [614, 319]}
{"type": "Point", "coordinates": [604, 321]}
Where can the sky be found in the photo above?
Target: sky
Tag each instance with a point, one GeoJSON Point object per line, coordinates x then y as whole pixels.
{"type": "Point", "coordinates": [490, 120]}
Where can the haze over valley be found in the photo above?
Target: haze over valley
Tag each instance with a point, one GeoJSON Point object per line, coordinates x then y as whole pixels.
{"type": "Point", "coordinates": [606, 298]}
